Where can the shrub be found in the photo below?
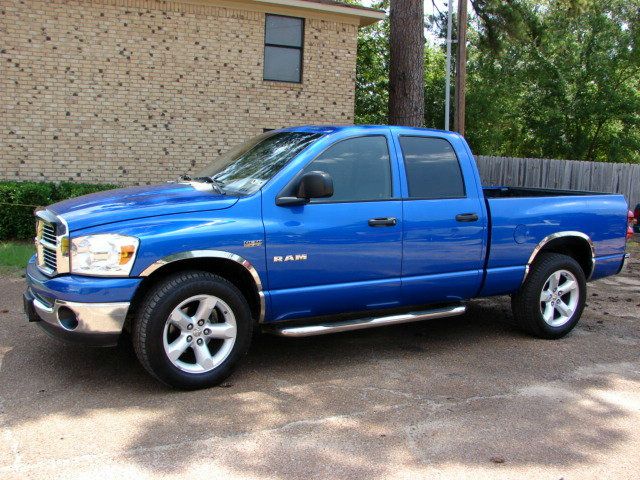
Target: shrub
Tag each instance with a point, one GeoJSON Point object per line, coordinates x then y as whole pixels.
{"type": "Point", "coordinates": [18, 200]}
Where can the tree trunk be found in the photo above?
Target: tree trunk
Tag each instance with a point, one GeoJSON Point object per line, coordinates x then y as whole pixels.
{"type": "Point", "coordinates": [461, 68]}
{"type": "Point", "coordinates": [406, 71]}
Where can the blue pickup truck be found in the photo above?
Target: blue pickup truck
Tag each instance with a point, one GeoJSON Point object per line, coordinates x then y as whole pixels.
{"type": "Point", "coordinates": [307, 231]}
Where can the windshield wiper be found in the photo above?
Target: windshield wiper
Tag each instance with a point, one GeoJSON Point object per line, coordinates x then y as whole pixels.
{"type": "Point", "coordinates": [217, 184]}
{"type": "Point", "coordinates": [214, 183]}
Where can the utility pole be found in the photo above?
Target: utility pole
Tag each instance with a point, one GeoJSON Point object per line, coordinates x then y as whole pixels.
{"type": "Point", "coordinates": [461, 68]}
{"type": "Point", "coordinates": [447, 88]}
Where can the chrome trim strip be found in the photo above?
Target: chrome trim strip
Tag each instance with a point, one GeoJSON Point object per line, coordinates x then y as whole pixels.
{"type": "Point", "coordinates": [213, 254]}
{"type": "Point", "coordinates": [554, 236]}
{"type": "Point", "coordinates": [93, 318]}
{"type": "Point", "coordinates": [44, 243]}
{"type": "Point", "coordinates": [362, 323]}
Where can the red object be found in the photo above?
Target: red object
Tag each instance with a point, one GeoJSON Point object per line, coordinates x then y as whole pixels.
{"type": "Point", "coordinates": [631, 219]}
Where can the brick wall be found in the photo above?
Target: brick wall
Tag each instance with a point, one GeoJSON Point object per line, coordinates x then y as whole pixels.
{"type": "Point", "coordinates": [134, 91]}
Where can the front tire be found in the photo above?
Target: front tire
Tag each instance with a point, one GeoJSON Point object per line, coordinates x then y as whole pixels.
{"type": "Point", "coordinates": [192, 329]}
{"type": "Point", "coordinates": [550, 302]}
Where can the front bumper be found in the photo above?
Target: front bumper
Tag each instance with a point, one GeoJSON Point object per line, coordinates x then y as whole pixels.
{"type": "Point", "coordinates": [85, 310]}
{"type": "Point", "coordinates": [92, 324]}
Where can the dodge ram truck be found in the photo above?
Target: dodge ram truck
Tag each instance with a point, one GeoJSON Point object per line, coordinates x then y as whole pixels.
{"type": "Point", "coordinates": [313, 230]}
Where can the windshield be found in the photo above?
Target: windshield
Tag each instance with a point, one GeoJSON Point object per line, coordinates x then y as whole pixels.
{"type": "Point", "coordinates": [244, 169]}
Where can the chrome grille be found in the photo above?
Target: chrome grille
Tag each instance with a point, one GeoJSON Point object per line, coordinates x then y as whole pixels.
{"type": "Point", "coordinates": [49, 233]}
{"type": "Point", "coordinates": [46, 246]}
{"type": "Point", "coordinates": [51, 243]}
{"type": "Point", "coordinates": [49, 257]}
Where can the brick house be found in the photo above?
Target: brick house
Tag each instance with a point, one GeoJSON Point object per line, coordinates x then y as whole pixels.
{"type": "Point", "coordinates": [140, 91]}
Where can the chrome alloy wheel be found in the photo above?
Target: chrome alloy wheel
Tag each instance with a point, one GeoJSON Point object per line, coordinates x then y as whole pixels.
{"type": "Point", "coordinates": [199, 334]}
{"type": "Point", "coordinates": [559, 298]}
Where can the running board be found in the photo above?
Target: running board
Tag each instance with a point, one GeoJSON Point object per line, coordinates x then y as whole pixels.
{"type": "Point", "coordinates": [362, 323]}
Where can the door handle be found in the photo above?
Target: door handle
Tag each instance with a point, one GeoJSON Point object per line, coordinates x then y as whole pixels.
{"type": "Point", "coordinates": [383, 222]}
{"type": "Point", "coordinates": [467, 217]}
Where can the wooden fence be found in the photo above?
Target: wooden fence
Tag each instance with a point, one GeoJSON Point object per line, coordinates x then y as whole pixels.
{"type": "Point", "coordinates": [621, 178]}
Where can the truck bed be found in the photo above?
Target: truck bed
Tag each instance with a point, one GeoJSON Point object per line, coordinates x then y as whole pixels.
{"type": "Point", "coordinates": [518, 224]}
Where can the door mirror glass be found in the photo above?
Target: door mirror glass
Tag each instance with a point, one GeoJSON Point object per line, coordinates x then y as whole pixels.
{"type": "Point", "coordinates": [315, 184]}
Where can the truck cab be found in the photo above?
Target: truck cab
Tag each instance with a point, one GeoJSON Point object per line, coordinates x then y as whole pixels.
{"type": "Point", "coordinates": [312, 230]}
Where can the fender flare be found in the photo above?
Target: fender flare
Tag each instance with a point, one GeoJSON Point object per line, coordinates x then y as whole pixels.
{"type": "Point", "coordinates": [555, 236]}
{"type": "Point", "coordinates": [219, 254]}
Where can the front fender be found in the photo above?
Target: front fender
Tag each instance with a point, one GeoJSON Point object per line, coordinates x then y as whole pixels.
{"type": "Point", "coordinates": [235, 231]}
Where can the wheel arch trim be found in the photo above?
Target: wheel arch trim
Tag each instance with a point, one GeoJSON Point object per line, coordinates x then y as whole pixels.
{"type": "Point", "coordinates": [218, 254]}
{"type": "Point", "coordinates": [555, 236]}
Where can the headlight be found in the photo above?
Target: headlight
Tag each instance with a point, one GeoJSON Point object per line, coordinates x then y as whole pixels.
{"type": "Point", "coordinates": [106, 254]}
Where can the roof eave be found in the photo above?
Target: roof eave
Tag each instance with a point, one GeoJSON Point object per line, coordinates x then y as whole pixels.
{"type": "Point", "coordinates": [365, 16]}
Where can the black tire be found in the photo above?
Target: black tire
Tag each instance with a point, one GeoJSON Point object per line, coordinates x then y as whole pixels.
{"type": "Point", "coordinates": [149, 327]}
{"type": "Point", "coordinates": [526, 304]}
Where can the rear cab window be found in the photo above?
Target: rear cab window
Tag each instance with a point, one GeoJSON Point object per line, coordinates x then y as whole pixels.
{"type": "Point", "coordinates": [432, 168]}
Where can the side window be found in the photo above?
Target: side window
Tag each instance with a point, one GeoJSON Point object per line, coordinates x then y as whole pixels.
{"type": "Point", "coordinates": [283, 40]}
{"type": "Point", "coordinates": [360, 169]}
{"type": "Point", "coordinates": [432, 168]}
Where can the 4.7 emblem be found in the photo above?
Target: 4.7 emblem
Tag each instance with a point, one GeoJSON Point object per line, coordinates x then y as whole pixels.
{"type": "Point", "coordinates": [291, 258]}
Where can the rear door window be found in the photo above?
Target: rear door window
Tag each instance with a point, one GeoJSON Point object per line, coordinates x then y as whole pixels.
{"type": "Point", "coordinates": [432, 167]}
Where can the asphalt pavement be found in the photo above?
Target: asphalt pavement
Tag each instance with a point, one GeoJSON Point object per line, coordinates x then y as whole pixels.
{"type": "Point", "coordinates": [465, 397]}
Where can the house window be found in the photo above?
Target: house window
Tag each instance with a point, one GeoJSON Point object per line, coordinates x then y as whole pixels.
{"type": "Point", "coordinates": [283, 39]}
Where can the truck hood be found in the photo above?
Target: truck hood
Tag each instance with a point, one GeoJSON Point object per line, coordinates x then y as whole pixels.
{"type": "Point", "coordinates": [139, 202]}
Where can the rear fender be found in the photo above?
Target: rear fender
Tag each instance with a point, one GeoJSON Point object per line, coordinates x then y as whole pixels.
{"type": "Point", "coordinates": [575, 244]}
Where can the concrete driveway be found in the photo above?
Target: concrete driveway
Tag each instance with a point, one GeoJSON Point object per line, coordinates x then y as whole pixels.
{"type": "Point", "coordinates": [467, 397]}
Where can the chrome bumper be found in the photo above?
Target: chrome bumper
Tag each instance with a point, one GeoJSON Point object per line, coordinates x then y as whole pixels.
{"type": "Point", "coordinates": [96, 324]}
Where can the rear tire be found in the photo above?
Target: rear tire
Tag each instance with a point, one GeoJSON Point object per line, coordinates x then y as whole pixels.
{"type": "Point", "coordinates": [192, 329]}
{"type": "Point", "coordinates": [550, 302]}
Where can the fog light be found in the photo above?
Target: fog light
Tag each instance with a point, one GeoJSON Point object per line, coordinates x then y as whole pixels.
{"type": "Point", "coordinates": [67, 318]}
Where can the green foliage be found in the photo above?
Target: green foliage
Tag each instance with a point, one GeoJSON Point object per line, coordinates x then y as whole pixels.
{"type": "Point", "coordinates": [570, 91]}
{"type": "Point", "coordinates": [18, 200]}
{"type": "Point", "coordinates": [554, 79]}
{"type": "Point", "coordinates": [66, 190]}
{"type": "Point", "coordinates": [434, 87]}
{"type": "Point", "coordinates": [372, 71]}
{"type": "Point", "coordinates": [503, 22]}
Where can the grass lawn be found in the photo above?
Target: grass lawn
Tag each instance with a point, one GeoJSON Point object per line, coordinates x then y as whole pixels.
{"type": "Point", "coordinates": [15, 255]}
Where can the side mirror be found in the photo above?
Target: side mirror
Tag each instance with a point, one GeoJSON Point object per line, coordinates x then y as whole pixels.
{"type": "Point", "coordinates": [314, 184]}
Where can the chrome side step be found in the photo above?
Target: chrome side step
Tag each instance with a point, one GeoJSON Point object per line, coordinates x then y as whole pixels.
{"type": "Point", "coordinates": [370, 322]}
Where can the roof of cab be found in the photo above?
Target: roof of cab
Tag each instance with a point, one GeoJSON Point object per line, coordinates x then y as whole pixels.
{"type": "Point", "coordinates": [329, 129]}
